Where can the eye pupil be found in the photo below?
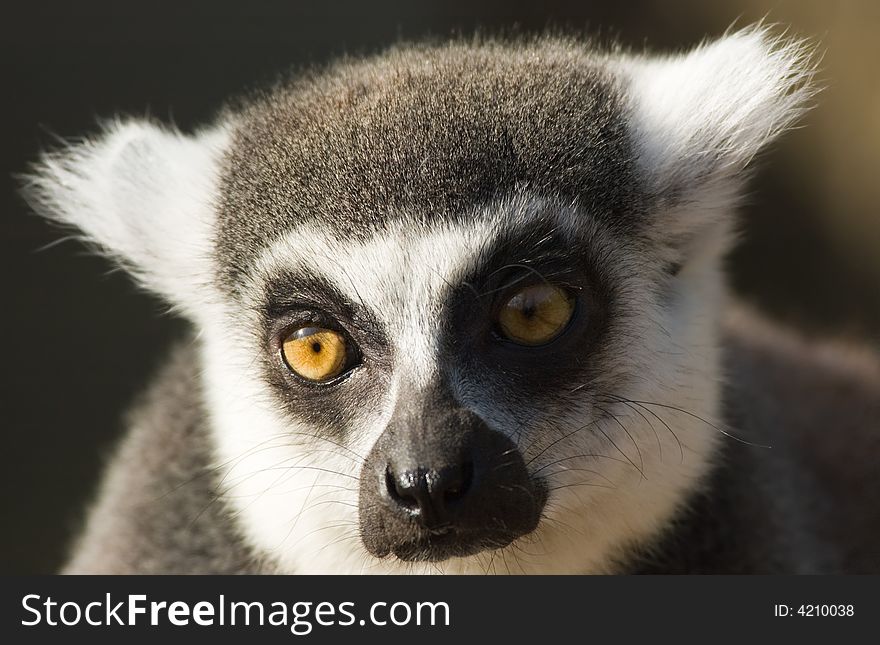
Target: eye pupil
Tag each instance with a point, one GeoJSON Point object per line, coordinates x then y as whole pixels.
{"type": "Point", "coordinates": [316, 347]}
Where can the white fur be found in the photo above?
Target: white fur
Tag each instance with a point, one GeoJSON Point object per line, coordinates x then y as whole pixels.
{"type": "Point", "coordinates": [145, 195]}
{"type": "Point", "coordinates": [699, 118]}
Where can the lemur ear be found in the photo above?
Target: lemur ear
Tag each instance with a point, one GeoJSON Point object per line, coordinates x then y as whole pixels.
{"type": "Point", "coordinates": [143, 194]}
{"type": "Point", "coordinates": [699, 118]}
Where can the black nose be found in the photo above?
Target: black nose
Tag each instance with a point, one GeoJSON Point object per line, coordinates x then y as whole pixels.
{"type": "Point", "coordinates": [442, 485]}
{"type": "Point", "coordinates": [431, 495]}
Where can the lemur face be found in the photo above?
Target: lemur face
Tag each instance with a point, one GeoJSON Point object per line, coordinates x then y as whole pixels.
{"type": "Point", "coordinates": [456, 305]}
{"type": "Point", "coordinates": [455, 386]}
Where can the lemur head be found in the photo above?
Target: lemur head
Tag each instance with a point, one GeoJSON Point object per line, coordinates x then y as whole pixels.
{"type": "Point", "coordinates": [456, 305]}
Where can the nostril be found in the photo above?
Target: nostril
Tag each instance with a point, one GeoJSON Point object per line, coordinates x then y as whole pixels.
{"type": "Point", "coordinates": [433, 495]}
{"type": "Point", "coordinates": [458, 482]}
{"type": "Point", "coordinates": [401, 491]}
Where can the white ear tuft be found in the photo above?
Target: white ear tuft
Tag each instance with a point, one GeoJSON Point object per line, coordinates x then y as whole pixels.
{"type": "Point", "coordinates": [144, 195]}
{"type": "Point", "coordinates": [700, 117]}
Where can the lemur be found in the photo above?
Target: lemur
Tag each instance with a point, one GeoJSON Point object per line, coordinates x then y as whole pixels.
{"type": "Point", "coordinates": [459, 307]}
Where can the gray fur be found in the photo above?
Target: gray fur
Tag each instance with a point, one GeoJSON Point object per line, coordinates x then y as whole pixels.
{"type": "Point", "coordinates": [428, 133]}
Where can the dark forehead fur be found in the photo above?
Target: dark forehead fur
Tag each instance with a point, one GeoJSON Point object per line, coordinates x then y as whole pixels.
{"type": "Point", "coordinates": [425, 133]}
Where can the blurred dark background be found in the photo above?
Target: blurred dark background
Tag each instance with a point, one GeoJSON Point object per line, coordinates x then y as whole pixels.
{"type": "Point", "coordinates": [80, 341]}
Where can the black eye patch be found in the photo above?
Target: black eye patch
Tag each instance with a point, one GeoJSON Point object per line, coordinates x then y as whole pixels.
{"type": "Point", "coordinates": [523, 259]}
{"type": "Point", "coordinates": [300, 297]}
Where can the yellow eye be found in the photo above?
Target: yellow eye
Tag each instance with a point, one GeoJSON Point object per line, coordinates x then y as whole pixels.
{"type": "Point", "coordinates": [314, 353]}
{"type": "Point", "coordinates": [536, 315]}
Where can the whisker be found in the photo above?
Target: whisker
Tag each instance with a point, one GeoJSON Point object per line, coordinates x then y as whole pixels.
{"type": "Point", "coordinates": [633, 408]}
{"type": "Point", "coordinates": [708, 423]}
{"type": "Point", "coordinates": [616, 447]}
{"type": "Point", "coordinates": [581, 456]}
{"type": "Point", "coordinates": [624, 428]}
{"type": "Point", "coordinates": [582, 470]}
{"type": "Point", "coordinates": [630, 404]}
{"type": "Point", "coordinates": [564, 437]}
{"type": "Point", "coordinates": [578, 484]}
